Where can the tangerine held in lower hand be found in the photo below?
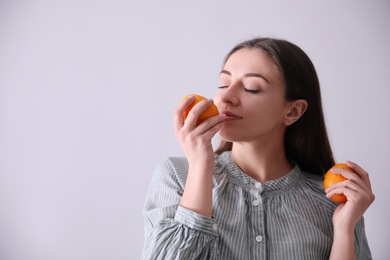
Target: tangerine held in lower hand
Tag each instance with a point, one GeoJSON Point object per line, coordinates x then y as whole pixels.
{"type": "Point", "coordinates": [209, 112]}
{"type": "Point", "coordinates": [332, 178]}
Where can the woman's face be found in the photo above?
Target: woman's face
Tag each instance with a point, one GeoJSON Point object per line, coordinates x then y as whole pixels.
{"type": "Point", "coordinates": [252, 96]}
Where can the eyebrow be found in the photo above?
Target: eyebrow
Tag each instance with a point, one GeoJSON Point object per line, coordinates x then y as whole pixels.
{"type": "Point", "coordinates": [258, 75]}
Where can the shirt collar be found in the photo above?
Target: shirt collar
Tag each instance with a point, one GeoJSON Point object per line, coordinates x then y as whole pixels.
{"type": "Point", "coordinates": [226, 165]}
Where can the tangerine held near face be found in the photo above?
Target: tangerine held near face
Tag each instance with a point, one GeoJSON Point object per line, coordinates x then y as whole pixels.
{"type": "Point", "coordinates": [332, 178]}
{"type": "Point", "coordinates": [211, 111]}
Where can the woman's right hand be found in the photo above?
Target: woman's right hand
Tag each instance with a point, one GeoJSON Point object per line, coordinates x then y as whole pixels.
{"type": "Point", "coordinates": [196, 140]}
{"type": "Point", "coordinates": [196, 143]}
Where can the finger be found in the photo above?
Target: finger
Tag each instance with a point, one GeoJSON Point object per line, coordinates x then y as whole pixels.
{"type": "Point", "coordinates": [358, 175]}
{"type": "Point", "coordinates": [178, 117]}
{"type": "Point", "coordinates": [196, 111]}
{"type": "Point", "coordinates": [342, 187]}
{"type": "Point", "coordinates": [338, 191]}
{"type": "Point", "coordinates": [353, 181]}
{"type": "Point", "coordinates": [215, 129]}
{"type": "Point", "coordinates": [348, 175]}
{"type": "Point", "coordinates": [350, 184]}
{"type": "Point", "coordinates": [361, 172]}
{"type": "Point", "coordinates": [331, 192]}
{"type": "Point", "coordinates": [210, 125]}
{"type": "Point", "coordinates": [353, 195]}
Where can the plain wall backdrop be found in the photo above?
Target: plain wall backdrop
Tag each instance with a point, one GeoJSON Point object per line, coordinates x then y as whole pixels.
{"type": "Point", "coordinates": [87, 91]}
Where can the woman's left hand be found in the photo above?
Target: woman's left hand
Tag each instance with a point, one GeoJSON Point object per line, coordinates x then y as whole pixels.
{"type": "Point", "coordinates": [359, 195]}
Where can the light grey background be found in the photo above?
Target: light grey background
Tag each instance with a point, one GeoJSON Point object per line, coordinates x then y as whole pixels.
{"type": "Point", "coordinates": [87, 90]}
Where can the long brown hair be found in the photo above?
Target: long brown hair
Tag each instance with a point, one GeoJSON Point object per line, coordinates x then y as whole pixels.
{"type": "Point", "coordinates": [306, 141]}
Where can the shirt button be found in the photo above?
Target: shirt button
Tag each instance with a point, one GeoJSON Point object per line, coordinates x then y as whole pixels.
{"type": "Point", "coordinates": [257, 184]}
{"type": "Point", "coordinates": [215, 227]}
{"type": "Point", "coordinates": [255, 203]}
{"type": "Point", "coordinates": [259, 239]}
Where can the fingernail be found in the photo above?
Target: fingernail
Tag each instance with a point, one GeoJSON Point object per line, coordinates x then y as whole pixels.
{"type": "Point", "coordinates": [336, 170]}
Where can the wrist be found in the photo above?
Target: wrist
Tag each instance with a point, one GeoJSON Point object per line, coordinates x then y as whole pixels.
{"type": "Point", "coordinates": [202, 167]}
{"type": "Point", "coordinates": [343, 244]}
{"type": "Point", "coordinates": [344, 228]}
{"type": "Point", "coordinates": [344, 234]}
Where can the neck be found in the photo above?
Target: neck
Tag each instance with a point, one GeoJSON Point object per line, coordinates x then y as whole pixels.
{"type": "Point", "coordinates": [261, 162]}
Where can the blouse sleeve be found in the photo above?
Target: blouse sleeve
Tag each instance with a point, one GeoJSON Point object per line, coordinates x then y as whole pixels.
{"type": "Point", "coordinates": [171, 231]}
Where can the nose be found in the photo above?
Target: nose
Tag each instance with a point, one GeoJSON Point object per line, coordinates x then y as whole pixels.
{"type": "Point", "coordinates": [228, 96]}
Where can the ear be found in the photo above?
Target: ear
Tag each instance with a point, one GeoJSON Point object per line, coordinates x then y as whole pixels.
{"type": "Point", "coordinates": [296, 109]}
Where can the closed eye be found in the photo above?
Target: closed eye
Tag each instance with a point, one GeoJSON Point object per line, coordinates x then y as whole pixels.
{"type": "Point", "coordinates": [252, 91]}
{"type": "Point", "coordinates": [220, 87]}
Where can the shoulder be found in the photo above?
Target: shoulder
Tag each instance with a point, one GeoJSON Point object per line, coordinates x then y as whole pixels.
{"type": "Point", "coordinates": [313, 185]}
{"type": "Point", "coordinates": [172, 168]}
{"type": "Point", "coordinates": [313, 180]}
{"type": "Point", "coordinates": [176, 169]}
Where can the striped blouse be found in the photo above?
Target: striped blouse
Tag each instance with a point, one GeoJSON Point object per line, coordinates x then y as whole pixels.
{"type": "Point", "coordinates": [286, 218]}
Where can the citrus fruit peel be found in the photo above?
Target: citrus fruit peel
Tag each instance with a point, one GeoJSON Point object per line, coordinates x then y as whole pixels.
{"type": "Point", "coordinates": [333, 178]}
{"type": "Point", "coordinates": [211, 111]}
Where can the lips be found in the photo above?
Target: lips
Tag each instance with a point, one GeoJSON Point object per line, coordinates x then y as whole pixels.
{"type": "Point", "coordinates": [231, 115]}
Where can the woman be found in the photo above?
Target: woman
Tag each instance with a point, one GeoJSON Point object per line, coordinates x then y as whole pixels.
{"type": "Point", "coordinates": [260, 195]}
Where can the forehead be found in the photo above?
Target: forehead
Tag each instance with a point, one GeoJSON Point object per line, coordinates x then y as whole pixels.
{"type": "Point", "coordinates": [251, 61]}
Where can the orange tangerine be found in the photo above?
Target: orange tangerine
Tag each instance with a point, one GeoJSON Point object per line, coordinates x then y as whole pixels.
{"type": "Point", "coordinates": [332, 178]}
{"type": "Point", "coordinates": [209, 112]}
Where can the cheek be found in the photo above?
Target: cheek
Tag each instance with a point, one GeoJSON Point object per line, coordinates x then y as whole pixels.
{"type": "Point", "coordinates": [263, 112]}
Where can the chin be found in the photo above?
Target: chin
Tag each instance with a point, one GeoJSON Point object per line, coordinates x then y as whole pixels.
{"type": "Point", "coordinates": [228, 135]}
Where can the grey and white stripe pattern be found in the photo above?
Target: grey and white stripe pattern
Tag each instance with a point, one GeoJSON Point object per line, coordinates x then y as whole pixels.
{"type": "Point", "coordinates": [287, 218]}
